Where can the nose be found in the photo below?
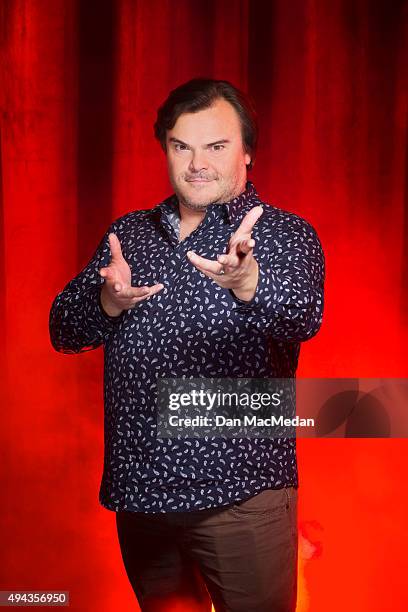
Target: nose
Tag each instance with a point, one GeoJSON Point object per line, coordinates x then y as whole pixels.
{"type": "Point", "coordinates": [198, 162]}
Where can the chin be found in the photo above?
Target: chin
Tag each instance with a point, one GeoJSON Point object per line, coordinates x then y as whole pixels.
{"type": "Point", "coordinates": [199, 195]}
{"type": "Point", "coordinates": [196, 204]}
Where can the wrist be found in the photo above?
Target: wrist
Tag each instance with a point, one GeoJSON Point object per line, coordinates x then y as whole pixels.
{"type": "Point", "coordinates": [246, 292]}
{"type": "Point", "coordinates": [111, 310]}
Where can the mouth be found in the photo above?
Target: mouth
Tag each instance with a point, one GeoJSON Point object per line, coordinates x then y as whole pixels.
{"type": "Point", "coordinates": [199, 180]}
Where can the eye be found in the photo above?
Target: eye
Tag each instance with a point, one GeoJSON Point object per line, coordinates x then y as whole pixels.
{"type": "Point", "coordinates": [218, 147]}
{"type": "Point", "coordinates": [180, 147]}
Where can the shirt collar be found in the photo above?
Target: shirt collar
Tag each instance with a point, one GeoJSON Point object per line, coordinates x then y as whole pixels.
{"type": "Point", "coordinates": [235, 208]}
{"type": "Point", "coordinates": [240, 205]}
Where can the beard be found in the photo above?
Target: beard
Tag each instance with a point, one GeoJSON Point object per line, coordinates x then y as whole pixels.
{"type": "Point", "coordinates": [200, 200]}
{"type": "Point", "coordinates": [193, 204]}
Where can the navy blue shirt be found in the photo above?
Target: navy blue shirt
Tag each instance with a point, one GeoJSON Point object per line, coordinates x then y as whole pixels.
{"type": "Point", "coordinates": [193, 328]}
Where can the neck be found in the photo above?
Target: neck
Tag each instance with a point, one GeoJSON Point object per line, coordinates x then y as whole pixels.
{"type": "Point", "coordinates": [189, 215]}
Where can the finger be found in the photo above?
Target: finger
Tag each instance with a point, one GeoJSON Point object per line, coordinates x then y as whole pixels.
{"type": "Point", "coordinates": [204, 264]}
{"type": "Point", "coordinates": [156, 288]}
{"type": "Point", "coordinates": [129, 292]}
{"type": "Point", "coordinates": [137, 292]}
{"type": "Point", "coordinates": [152, 291]}
{"type": "Point", "coordinates": [229, 261]}
{"type": "Point", "coordinates": [245, 246]}
{"type": "Point", "coordinates": [248, 222]}
{"type": "Point", "coordinates": [108, 274]}
{"type": "Point", "coordinates": [218, 278]}
{"type": "Point", "coordinates": [233, 243]}
{"type": "Point", "coordinates": [235, 240]}
{"type": "Point", "coordinates": [116, 250]}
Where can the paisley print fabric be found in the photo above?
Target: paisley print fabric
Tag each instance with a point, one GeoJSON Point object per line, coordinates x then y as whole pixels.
{"type": "Point", "coordinates": [192, 328]}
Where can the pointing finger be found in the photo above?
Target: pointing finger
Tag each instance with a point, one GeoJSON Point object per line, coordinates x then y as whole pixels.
{"type": "Point", "coordinates": [249, 221]}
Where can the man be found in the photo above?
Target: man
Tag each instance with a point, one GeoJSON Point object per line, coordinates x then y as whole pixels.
{"type": "Point", "coordinates": [211, 282]}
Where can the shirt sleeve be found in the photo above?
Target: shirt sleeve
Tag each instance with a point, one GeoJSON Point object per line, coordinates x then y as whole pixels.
{"type": "Point", "coordinates": [77, 321]}
{"type": "Point", "coordinates": [288, 301]}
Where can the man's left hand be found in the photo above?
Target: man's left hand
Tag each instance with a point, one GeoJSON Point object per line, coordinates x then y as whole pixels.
{"type": "Point", "coordinates": [237, 269]}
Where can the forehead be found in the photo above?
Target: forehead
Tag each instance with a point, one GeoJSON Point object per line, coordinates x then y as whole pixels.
{"type": "Point", "coordinates": [220, 120]}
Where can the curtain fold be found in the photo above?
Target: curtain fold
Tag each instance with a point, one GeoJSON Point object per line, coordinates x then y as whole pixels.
{"type": "Point", "coordinates": [81, 81]}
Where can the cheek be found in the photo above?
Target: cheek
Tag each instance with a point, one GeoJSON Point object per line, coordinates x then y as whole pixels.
{"type": "Point", "coordinates": [234, 163]}
{"type": "Point", "coordinates": [172, 166]}
{"type": "Point", "coordinates": [177, 165]}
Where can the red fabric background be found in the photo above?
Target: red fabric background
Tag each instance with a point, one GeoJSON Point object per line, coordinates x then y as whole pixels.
{"type": "Point", "coordinates": [80, 84]}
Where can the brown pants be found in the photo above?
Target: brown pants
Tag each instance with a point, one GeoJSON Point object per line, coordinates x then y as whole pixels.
{"type": "Point", "coordinates": [242, 557]}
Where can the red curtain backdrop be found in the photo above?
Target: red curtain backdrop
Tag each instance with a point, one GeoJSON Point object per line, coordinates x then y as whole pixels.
{"type": "Point", "coordinates": [80, 85]}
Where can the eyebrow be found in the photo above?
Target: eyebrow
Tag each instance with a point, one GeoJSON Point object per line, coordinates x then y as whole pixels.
{"type": "Point", "coordinates": [210, 144]}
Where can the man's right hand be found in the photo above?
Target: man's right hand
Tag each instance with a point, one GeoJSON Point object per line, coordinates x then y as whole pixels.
{"type": "Point", "coordinates": [117, 292]}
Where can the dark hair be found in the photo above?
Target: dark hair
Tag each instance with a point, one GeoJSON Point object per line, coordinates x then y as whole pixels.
{"type": "Point", "coordinates": [198, 94]}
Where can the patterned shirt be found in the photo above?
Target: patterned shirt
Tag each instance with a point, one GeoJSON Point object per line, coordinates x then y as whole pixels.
{"type": "Point", "coordinates": [193, 328]}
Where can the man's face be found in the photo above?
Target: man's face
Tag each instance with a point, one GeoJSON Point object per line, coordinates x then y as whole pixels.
{"type": "Point", "coordinates": [205, 156]}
